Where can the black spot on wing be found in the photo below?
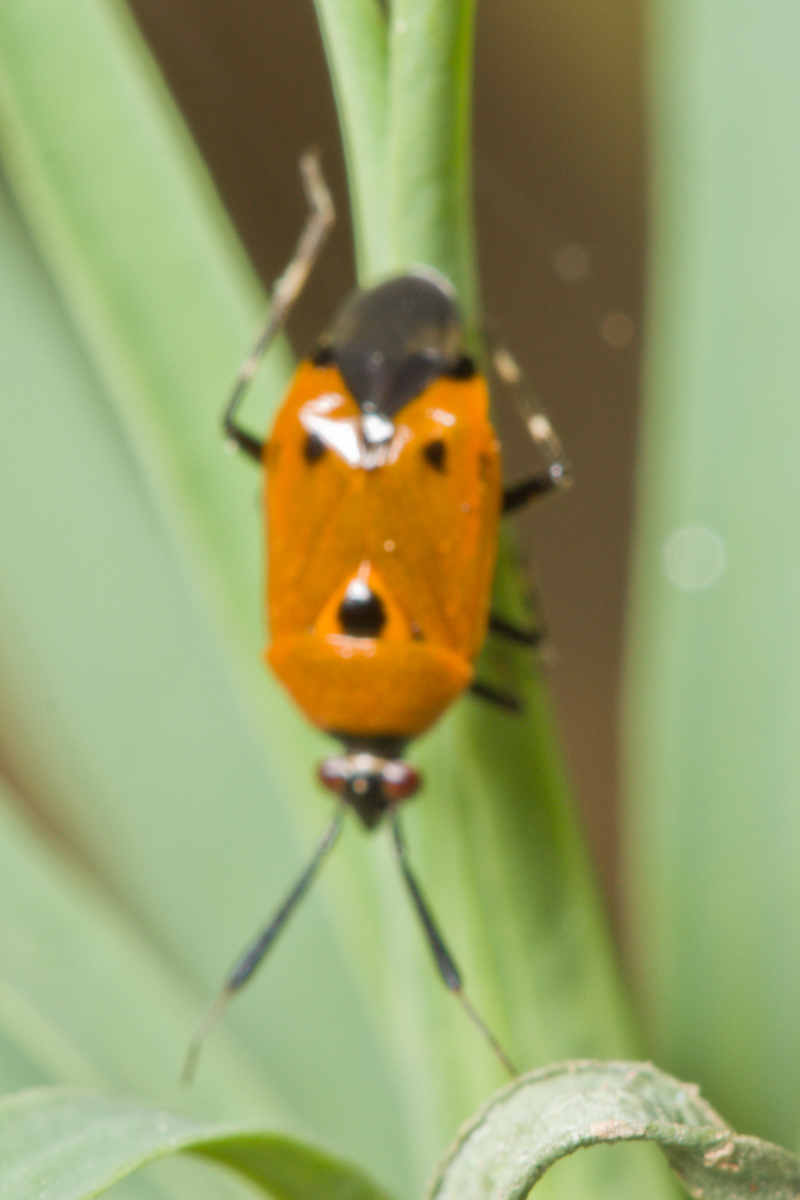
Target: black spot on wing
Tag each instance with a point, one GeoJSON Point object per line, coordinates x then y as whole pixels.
{"type": "Point", "coordinates": [314, 448]}
{"type": "Point", "coordinates": [361, 612]}
{"type": "Point", "coordinates": [436, 454]}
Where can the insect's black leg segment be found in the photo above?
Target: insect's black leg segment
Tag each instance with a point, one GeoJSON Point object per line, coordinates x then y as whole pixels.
{"type": "Point", "coordinates": [504, 700]}
{"type": "Point", "coordinates": [286, 290]}
{"type": "Point", "coordinates": [445, 964]}
{"type": "Point", "coordinates": [442, 956]}
{"type": "Point", "coordinates": [515, 633]}
{"type": "Point", "coordinates": [248, 443]}
{"type": "Point", "coordinates": [254, 954]}
{"type": "Point", "coordinates": [544, 437]}
{"type": "Point", "coordinates": [256, 951]}
{"type": "Point", "coordinates": [530, 489]}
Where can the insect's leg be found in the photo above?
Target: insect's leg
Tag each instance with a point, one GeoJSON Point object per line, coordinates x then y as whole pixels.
{"type": "Point", "coordinates": [538, 485]}
{"type": "Point", "coordinates": [504, 700]}
{"type": "Point", "coordinates": [286, 290]}
{"type": "Point", "coordinates": [442, 956]}
{"type": "Point", "coordinates": [255, 952]}
{"type": "Point", "coordinates": [532, 636]}
{"type": "Point", "coordinates": [515, 633]}
{"type": "Point", "coordinates": [543, 436]}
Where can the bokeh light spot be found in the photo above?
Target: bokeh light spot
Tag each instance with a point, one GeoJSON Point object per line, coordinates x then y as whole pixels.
{"type": "Point", "coordinates": [571, 263]}
{"type": "Point", "coordinates": [694, 558]}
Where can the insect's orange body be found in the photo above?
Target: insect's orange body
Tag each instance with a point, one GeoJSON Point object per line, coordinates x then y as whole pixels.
{"type": "Point", "coordinates": [383, 497]}
{"type": "Point", "coordinates": [410, 522]}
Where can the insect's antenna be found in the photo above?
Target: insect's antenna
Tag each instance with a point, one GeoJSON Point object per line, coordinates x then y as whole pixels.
{"type": "Point", "coordinates": [290, 284]}
{"type": "Point", "coordinates": [442, 956]}
{"type": "Point", "coordinates": [256, 951]}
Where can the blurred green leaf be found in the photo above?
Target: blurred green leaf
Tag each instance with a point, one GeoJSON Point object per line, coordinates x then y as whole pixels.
{"type": "Point", "coordinates": [84, 996]}
{"type": "Point", "coordinates": [58, 1144]}
{"type": "Point", "coordinates": [548, 1114]}
{"type": "Point", "coordinates": [713, 696]}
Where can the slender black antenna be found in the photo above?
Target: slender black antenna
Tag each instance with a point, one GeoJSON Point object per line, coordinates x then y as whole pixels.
{"type": "Point", "coordinates": [284, 293]}
{"type": "Point", "coordinates": [442, 956]}
{"type": "Point", "coordinates": [255, 952]}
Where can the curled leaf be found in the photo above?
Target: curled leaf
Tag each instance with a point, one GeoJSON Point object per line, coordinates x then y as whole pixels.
{"type": "Point", "coordinates": [548, 1114]}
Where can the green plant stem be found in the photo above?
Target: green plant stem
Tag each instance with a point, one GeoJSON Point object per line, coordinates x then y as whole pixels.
{"type": "Point", "coordinates": [497, 836]}
{"type": "Point", "coordinates": [354, 32]}
{"type": "Point", "coordinates": [404, 99]}
{"type": "Point", "coordinates": [428, 153]}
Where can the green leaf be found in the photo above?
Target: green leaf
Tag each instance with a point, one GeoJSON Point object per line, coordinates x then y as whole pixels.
{"type": "Point", "coordinates": [551, 1113]}
{"type": "Point", "coordinates": [713, 695]}
{"type": "Point", "coordinates": [84, 996]}
{"type": "Point", "coordinates": [59, 1144]}
{"type": "Point", "coordinates": [355, 38]}
{"type": "Point", "coordinates": [148, 264]}
{"type": "Point", "coordinates": [498, 842]}
{"type": "Point", "coordinates": [428, 148]}
{"type": "Point", "coordinates": [404, 99]}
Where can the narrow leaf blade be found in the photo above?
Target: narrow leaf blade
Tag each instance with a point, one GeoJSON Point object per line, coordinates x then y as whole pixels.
{"type": "Point", "coordinates": [428, 149]}
{"type": "Point", "coordinates": [60, 1144]}
{"type": "Point", "coordinates": [713, 693]}
{"type": "Point", "coordinates": [85, 997]}
{"type": "Point", "coordinates": [355, 38]}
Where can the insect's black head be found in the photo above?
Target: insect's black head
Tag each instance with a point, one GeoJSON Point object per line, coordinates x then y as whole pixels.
{"type": "Point", "coordinates": [370, 783]}
{"type": "Point", "coordinates": [395, 339]}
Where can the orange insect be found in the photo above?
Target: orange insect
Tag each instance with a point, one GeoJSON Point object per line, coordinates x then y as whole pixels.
{"type": "Point", "coordinates": [383, 500]}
